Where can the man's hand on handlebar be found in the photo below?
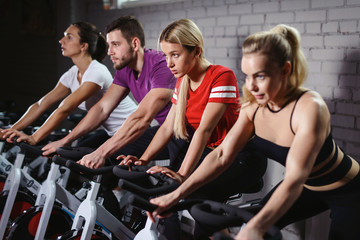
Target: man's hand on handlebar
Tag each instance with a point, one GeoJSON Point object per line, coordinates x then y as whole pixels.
{"type": "Point", "coordinates": [92, 160]}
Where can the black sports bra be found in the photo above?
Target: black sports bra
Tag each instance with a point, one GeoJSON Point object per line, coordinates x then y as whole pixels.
{"type": "Point", "coordinates": [332, 167]}
{"type": "Point", "coordinates": [279, 153]}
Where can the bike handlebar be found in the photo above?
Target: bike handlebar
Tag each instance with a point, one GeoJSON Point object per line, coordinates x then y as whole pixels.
{"type": "Point", "coordinates": [144, 204]}
{"type": "Point", "coordinates": [59, 160]}
{"type": "Point", "coordinates": [134, 179]}
{"type": "Point", "coordinates": [73, 166]}
{"type": "Point", "coordinates": [218, 216]}
{"type": "Point", "coordinates": [134, 173]}
{"type": "Point", "coordinates": [73, 152]}
{"type": "Point", "coordinates": [25, 147]}
{"type": "Point", "coordinates": [146, 192]}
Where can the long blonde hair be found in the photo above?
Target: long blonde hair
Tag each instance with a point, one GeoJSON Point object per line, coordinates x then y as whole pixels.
{"type": "Point", "coordinates": [186, 33]}
{"type": "Point", "coordinates": [281, 44]}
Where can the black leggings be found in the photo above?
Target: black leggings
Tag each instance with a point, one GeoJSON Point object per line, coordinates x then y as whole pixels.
{"type": "Point", "coordinates": [344, 204]}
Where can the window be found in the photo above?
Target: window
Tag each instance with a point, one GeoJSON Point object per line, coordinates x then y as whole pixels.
{"type": "Point", "coordinates": [118, 4]}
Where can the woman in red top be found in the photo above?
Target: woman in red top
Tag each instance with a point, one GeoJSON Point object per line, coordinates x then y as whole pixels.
{"type": "Point", "coordinates": [205, 107]}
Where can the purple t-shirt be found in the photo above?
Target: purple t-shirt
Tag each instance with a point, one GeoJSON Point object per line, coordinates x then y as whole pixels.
{"type": "Point", "coordinates": [154, 74]}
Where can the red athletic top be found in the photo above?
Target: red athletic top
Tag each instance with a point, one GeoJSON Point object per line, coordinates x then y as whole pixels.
{"type": "Point", "coordinates": [219, 85]}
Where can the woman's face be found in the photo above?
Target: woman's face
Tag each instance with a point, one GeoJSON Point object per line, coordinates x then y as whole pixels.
{"type": "Point", "coordinates": [179, 60]}
{"type": "Point", "coordinates": [263, 78]}
{"type": "Point", "coordinates": [70, 43]}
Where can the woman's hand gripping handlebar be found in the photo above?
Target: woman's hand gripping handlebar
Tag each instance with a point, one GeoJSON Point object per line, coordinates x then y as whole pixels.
{"type": "Point", "coordinates": [141, 194]}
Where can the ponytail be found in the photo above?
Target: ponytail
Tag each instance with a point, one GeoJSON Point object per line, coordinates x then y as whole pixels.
{"type": "Point", "coordinates": [97, 46]}
{"type": "Point", "coordinates": [181, 102]}
{"type": "Point", "coordinates": [299, 69]}
{"type": "Point", "coordinates": [101, 48]}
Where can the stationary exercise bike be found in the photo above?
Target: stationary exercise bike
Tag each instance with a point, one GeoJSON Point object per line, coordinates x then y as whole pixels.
{"type": "Point", "coordinates": [90, 211]}
{"type": "Point", "coordinates": [32, 223]}
{"type": "Point", "coordinates": [141, 195]}
{"type": "Point", "coordinates": [92, 219]}
{"type": "Point", "coordinates": [213, 215]}
{"type": "Point", "coordinates": [5, 164]}
{"type": "Point", "coordinates": [19, 190]}
{"type": "Point", "coordinates": [54, 209]}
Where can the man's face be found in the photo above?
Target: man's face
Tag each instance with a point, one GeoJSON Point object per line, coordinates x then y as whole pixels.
{"type": "Point", "coordinates": [120, 51]}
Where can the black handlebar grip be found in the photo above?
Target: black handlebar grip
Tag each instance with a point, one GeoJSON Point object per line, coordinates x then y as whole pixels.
{"type": "Point", "coordinates": [89, 171]}
{"type": "Point", "coordinates": [73, 152]}
{"type": "Point", "coordinates": [141, 203]}
{"type": "Point", "coordinates": [221, 236]}
{"type": "Point", "coordinates": [25, 147]}
{"type": "Point", "coordinates": [146, 205]}
{"type": "Point", "coordinates": [135, 173]}
{"type": "Point", "coordinates": [147, 192]}
{"type": "Point", "coordinates": [217, 215]}
{"type": "Point", "coordinates": [136, 189]}
{"type": "Point", "coordinates": [59, 160]}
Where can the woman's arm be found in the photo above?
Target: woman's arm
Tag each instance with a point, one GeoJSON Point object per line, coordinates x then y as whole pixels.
{"type": "Point", "coordinates": [214, 164]}
{"type": "Point", "coordinates": [68, 105]}
{"type": "Point", "coordinates": [311, 124]}
{"type": "Point", "coordinates": [35, 111]}
{"type": "Point", "coordinates": [209, 120]}
{"type": "Point", "coordinates": [93, 119]}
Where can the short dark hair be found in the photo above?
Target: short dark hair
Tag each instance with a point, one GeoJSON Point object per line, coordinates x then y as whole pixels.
{"type": "Point", "coordinates": [130, 27]}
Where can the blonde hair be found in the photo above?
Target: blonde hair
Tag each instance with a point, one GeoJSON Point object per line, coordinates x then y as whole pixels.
{"type": "Point", "coordinates": [281, 44]}
{"type": "Point", "coordinates": [186, 33]}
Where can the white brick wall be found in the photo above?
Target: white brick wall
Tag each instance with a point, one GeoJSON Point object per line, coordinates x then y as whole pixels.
{"type": "Point", "coordinates": [294, 5]}
{"type": "Point", "coordinates": [330, 39]}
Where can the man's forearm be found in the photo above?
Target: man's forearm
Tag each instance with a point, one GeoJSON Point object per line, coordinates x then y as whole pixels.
{"type": "Point", "coordinates": [131, 130]}
{"type": "Point", "coordinates": [93, 119]}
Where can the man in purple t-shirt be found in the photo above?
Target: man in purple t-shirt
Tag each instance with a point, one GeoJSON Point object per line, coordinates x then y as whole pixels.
{"type": "Point", "coordinates": [153, 75]}
{"type": "Point", "coordinates": [140, 71]}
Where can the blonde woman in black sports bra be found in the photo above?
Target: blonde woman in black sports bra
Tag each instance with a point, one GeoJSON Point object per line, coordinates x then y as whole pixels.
{"type": "Point", "coordinates": [290, 125]}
